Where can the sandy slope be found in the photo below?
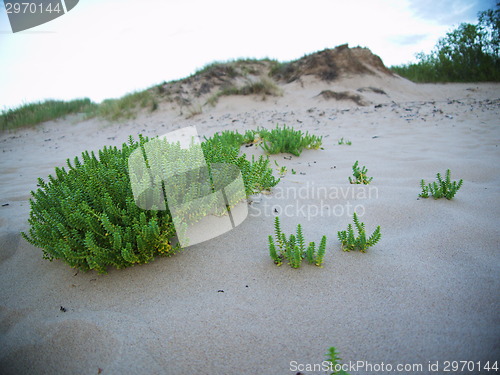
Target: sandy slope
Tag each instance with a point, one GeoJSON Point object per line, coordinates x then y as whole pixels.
{"type": "Point", "coordinates": [427, 292]}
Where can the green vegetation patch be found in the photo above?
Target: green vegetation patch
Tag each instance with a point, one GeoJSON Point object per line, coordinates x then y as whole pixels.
{"type": "Point", "coordinates": [126, 106]}
{"type": "Point", "coordinates": [287, 139]}
{"type": "Point", "coordinates": [278, 140]}
{"type": "Point", "coordinates": [470, 53]}
{"type": "Point", "coordinates": [35, 113]}
{"type": "Point", "coordinates": [86, 214]}
{"type": "Point", "coordinates": [359, 174]}
{"type": "Point", "coordinates": [294, 247]}
{"type": "Point", "coordinates": [442, 188]}
{"type": "Point", "coordinates": [360, 242]}
{"type": "Point", "coordinates": [263, 86]}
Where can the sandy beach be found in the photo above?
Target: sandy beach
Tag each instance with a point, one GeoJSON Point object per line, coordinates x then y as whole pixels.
{"type": "Point", "coordinates": [425, 294]}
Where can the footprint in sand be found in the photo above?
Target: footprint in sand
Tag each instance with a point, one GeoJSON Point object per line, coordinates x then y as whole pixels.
{"type": "Point", "coordinates": [9, 242]}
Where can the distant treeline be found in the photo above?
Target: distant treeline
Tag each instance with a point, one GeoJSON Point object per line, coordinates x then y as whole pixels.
{"type": "Point", "coordinates": [470, 53]}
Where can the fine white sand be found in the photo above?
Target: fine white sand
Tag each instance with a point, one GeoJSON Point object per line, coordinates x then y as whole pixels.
{"type": "Point", "coordinates": [426, 293]}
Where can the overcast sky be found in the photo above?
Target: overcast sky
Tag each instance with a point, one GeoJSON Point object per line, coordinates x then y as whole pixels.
{"type": "Point", "coordinates": [106, 48]}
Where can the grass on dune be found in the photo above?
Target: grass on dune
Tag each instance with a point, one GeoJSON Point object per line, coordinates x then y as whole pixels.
{"type": "Point", "coordinates": [111, 109]}
{"type": "Point", "coordinates": [126, 106]}
{"type": "Point", "coordinates": [263, 87]}
{"type": "Point", "coordinates": [34, 113]}
{"type": "Point", "coordinates": [233, 68]}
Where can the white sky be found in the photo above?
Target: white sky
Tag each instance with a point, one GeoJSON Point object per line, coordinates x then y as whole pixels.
{"type": "Point", "coordinates": [106, 48]}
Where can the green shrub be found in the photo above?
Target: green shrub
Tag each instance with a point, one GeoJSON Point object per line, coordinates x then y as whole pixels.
{"type": "Point", "coordinates": [35, 113]}
{"type": "Point", "coordinates": [229, 138]}
{"type": "Point", "coordinates": [234, 139]}
{"type": "Point", "coordinates": [286, 139]}
{"type": "Point", "coordinates": [256, 173]}
{"type": "Point", "coordinates": [274, 141]}
{"type": "Point", "coordinates": [361, 243]}
{"type": "Point", "coordinates": [360, 175]}
{"type": "Point", "coordinates": [442, 188]}
{"type": "Point", "coordinates": [294, 248]}
{"type": "Point", "coordinates": [251, 136]}
{"type": "Point", "coordinates": [86, 214]}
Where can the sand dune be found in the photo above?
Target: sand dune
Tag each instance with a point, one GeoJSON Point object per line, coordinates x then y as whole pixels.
{"type": "Point", "coordinates": [428, 291]}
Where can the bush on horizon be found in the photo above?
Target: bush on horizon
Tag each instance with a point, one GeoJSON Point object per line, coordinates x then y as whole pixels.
{"type": "Point", "coordinates": [470, 53]}
{"type": "Point", "coordinates": [232, 68]}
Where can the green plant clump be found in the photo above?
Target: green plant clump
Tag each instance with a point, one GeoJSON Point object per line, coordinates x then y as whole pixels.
{"type": "Point", "coordinates": [332, 356]}
{"type": "Point", "coordinates": [361, 243]}
{"type": "Point", "coordinates": [360, 175]}
{"type": "Point", "coordinates": [344, 142]}
{"type": "Point", "coordinates": [86, 214]}
{"type": "Point", "coordinates": [442, 188]}
{"type": "Point", "coordinates": [228, 138]}
{"type": "Point", "coordinates": [287, 139]}
{"type": "Point", "coordinates": [294, 248]}
{"type": "Point", "coordinates": [284, 139]}
{"type": "Point", "coordinates": [256, 173]}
